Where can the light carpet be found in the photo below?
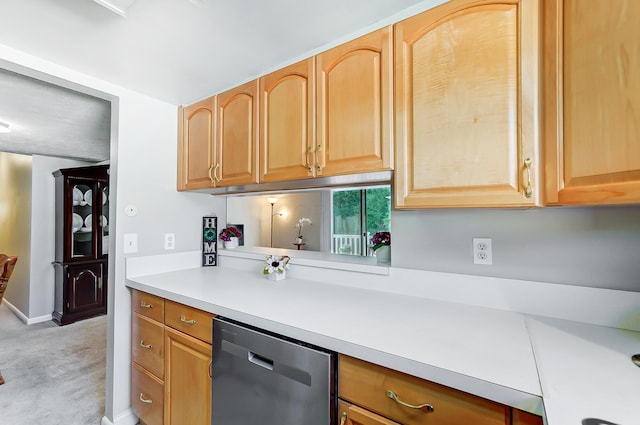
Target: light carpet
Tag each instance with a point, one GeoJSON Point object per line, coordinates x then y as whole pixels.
{"type": "Point", "coordinates": [54, 374]}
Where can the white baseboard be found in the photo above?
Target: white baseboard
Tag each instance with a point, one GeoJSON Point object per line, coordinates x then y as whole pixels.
{"type": "Point", "coordinates": [39, 319]}
{"type": "Point", "coordinates": [25, 319]}
{"type": "Point", "coordinates": [125, 418]}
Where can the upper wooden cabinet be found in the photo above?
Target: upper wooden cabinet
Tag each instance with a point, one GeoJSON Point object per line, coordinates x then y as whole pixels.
{"type": "Point", "coordinates": [236, 149]}
{"type": "Point", "coordinates": [467, 82]}
{"type": "Point", "coordinates": [195, 145]}
{"type": "Point", "coordinates": [355, 106]}
{"type": "Point", "coordinates": [287, 123]}
{"type": "Point", "coordinates": [592, 101]}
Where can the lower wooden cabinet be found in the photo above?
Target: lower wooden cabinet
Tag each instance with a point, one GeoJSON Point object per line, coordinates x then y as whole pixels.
{"type": "Point", "coordinates": [523, 418]}
{"type": "Point", "coordinates": [170, 375]}
{"type": "Point", "coordinates": [374, 395]}
{"type": "Point", "coordinates": [81, 291]}
{"type": "Point", "coordinates": [187, 379]}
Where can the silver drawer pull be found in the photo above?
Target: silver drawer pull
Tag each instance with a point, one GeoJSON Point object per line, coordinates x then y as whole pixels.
{"type": "Point", "coordinates": [188, 322]}
{"type": "Point", "coordinates": [144, 305]}
{"type": "Point", "coordinates": [143, 345]}
{"type": "Point", "coordinates": [144, 400]}
{"type": "Point", "coordinates": [427, 408]}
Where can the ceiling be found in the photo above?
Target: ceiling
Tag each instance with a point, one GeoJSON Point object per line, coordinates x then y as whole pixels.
{"type": "Point", "coordinates": [177, 51]}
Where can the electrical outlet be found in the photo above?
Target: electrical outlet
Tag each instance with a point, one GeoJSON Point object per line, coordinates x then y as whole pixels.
{"type": "Point", "coordinates": [169, 241]}
{"type": "Point", "coordinates": [482, 251]}
{"type": "Point", "coordinates": [130, 243]}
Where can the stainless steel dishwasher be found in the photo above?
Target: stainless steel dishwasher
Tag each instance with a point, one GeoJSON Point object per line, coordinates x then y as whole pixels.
{"type": "Point", "coordinates": [261, 378]}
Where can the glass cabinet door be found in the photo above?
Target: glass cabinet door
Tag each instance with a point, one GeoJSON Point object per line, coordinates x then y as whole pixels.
{"type": "Point", "coordinates": [103, 224]}
{"type": "Point", "coordinates": [82, 238]}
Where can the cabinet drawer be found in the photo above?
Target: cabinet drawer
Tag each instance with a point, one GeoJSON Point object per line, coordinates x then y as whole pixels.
{"type": "Point", "coordinates": [147, 396]}
{"type": "Point", "coordinates": [189, 320]}
{"type": "Point", "coordinates": [354, 415]}
{"type": "Point", "coordinates": [147, 305]}
{"type": "Point", "coordinates": [147, 344]}
{"type": "Point", "coordinates": [366, 384]}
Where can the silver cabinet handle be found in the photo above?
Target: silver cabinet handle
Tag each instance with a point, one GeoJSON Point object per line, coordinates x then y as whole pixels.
{"type": "Point", "coordinates": [427, 408]}
{"type": "Point", "coordinates": [143, 345]}
{"type": "Point", "coordinates": [188, 322]}
{"type": "Point", "coordinates": [211, 368]}
{"type": "Point", "coordinates": [527, 165]}
{"type": "Point", "coordinates": [343, 418]}
{"type": "Point", "coordinates": [144, 305]}
{"type": "Point", "coordinates": [144, 400]}
{"type": "Point", "coordinates": [309, 167]}
{"type": "Point", "coordinates": [318, 166]}
{"type": "Point", "coordinates": [210, 176]}
{"type": "Point", "coordinates": [216, 179]}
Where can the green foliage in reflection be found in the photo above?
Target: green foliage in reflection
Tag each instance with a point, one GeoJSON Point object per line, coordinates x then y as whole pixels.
{"type": "Point", "coordinates": [346, 210]}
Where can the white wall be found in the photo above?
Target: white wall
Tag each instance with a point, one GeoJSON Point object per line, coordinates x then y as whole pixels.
{"type": "Point", "coordinates": [143, 173]}
{"type": "Point", "coordinates": [15, 224]}
{"type": "Point", "coordinates": [585, 246]}
{"type": "Point", "coordinates": [42, 279]}
{"type": "Point", "coordinates": [254, 212]}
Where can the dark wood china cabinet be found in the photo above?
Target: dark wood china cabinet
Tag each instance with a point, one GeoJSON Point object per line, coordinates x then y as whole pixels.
{"type": "Point", "coordinates": [82, 243]}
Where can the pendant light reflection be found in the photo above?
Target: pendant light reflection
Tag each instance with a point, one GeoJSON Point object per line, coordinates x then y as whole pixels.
{"type": "Point", "coordinates": [4, 127]}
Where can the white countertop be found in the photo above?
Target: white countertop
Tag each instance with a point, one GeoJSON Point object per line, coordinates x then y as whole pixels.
{"type": "Point", "coordinates": [504, 356]}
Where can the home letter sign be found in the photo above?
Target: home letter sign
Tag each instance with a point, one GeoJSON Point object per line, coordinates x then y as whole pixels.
{"type": "Point", "coordinates": [209, 241]}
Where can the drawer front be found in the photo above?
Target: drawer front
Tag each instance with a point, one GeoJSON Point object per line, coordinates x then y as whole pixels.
{"type": "Point", "coordinates": [147, 344]}
{"type": "Point", "coordinates": [366, 385]}
{"type": "Point", "coordinates": [147, 305]}
{"type": "Point", "coordinates": [354, 415]}
{"type": "Point", "coordinates": [147, 396]}
{"type": "Point", "coordinates": [189, 320]}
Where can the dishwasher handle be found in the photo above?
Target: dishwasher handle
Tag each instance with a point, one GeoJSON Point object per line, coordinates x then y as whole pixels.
{"type": "Point", "coordinates": [259, 360]}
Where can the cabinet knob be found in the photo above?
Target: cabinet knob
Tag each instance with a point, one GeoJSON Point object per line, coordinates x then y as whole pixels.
{"type": "Point", "coordinates": [143, 345]}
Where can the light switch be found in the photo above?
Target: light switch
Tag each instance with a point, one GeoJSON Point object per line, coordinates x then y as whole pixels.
{"type": "Point", "coordinates": [130, 243]}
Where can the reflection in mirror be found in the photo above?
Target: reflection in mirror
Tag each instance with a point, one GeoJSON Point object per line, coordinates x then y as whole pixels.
{"type": "Point", "coordinates": [338, 221]}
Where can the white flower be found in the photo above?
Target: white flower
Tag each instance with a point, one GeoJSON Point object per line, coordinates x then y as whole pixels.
{"type": "Point", "coordinates": [276, 263]}
{"type": "Point", "coordinates": [300, 225]}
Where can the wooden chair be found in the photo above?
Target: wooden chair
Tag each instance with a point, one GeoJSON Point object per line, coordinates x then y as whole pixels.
{"type": "Point", "coordinates": [7, 264]}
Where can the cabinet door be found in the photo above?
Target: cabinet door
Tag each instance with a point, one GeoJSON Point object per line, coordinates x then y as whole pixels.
{"type": "Point", "coordinates": [187, 379]}
{"type": "Point", "coordinates": [82, 243]}
{"type": "Point", "coordinates": [287, 117]}
{"type": "Point", "coordinates": [592, 92]}
{"type": "Point", "coordinates": [195, 145]}
{"type": "Point", "coordinates": [355, 104]}
{"type": "Point", "coordinates": [236, 154]}
{"type": "Point", "coordinates": [467, 105]}
{"type": "Point", "coordinates": [353, 415]}
{"type": "Point", "coordinates": [87, 289]}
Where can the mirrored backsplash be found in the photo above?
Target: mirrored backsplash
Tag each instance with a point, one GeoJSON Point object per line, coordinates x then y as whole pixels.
{"type": "Point", "coordinates": [340, 221]}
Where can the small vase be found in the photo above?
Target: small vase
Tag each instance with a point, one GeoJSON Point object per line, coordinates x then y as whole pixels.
{"type": "Point", "coordinates": [277, 276]}
{"type": "Point", "coordinates": [231, 244]}
{"type": "Point", "coordinates": [383, 254]}
{"type": "Point", "coordinates": [298, 240]}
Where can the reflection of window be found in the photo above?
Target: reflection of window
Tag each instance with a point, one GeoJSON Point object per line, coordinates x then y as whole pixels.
{"type": "Point", "coordinates": [356, 216]}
